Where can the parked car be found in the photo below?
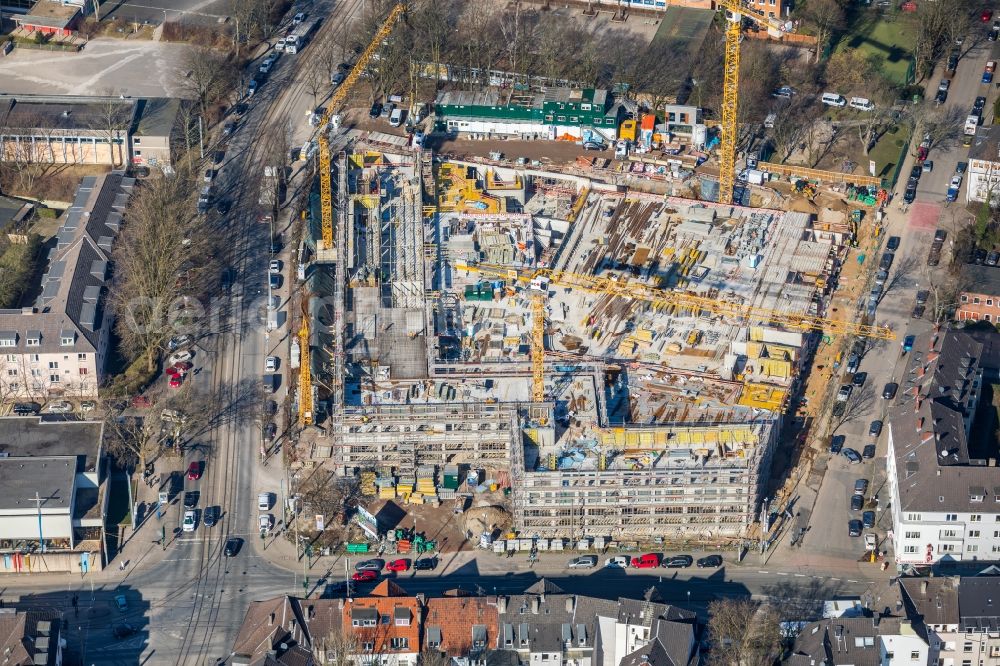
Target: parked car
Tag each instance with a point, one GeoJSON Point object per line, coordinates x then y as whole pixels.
{"type": "Point", "coordinates": [889, 391]}
{"type": "Point", "coordinates": [194, 471]}
{"type": "Point", "coordinates": [844, 393]}
{"type": "Point", "coordinates": [369, 565]}
{"type": "Point", "coordinates": [986, 15]}
{"type": "Point", "coordinates": [270, 364]}
{"type": "Point", "coordinates": [868, 519]}
{"type": "Point", "coordinates": [430, 563]}
{"type": "Point", "coordinates": [910, 193]}
{"type": "Point", "coordinates": [364, 576]}
{"type": "Point", "coordinates": [252, 87]}
{"type": "Point", "coordinates": [907, 345]}
{"type": "Point", "coordinates": [298, 18]}
{"type": "Point", "coordinates": [178, 342]}
{"type": "Point", "coordinates": [189, 520]}
{"type": "Point", "coordinates": [264, 522]}
{"type": "Point", "coordinates": [892, 243]}
{"type": "Point", "coordinates": [26, 408]}
{"type": "Point", "coordinates": [861, 486]}
{"type": "Point", "coordinates": [121, 603]}
{"type": "Point", "coordinates": [263, 501]}
{"type": "Point", "coordinates": [962, 167]}
{"type": "Point", "coordinates": [191, 498]}
{"type": "Point", "coordinates": [854, 528]}
{"type": "Point", "coordinates": [275, 280]}
{"type": "Point", "coordinates": [617, 562]}
{"type": "Point", "coordinates": [583, 562]}
{"type": "Point", "coordinates": [274, 266]}
{"type": "Point", "coordinates": [679, 562]}
{"type": "Point", "coordinates": [337, 79]}
{"type": "Point", "coordinates": [837, 444]}
{"type": "Point", "coordinates": [857, 502]}
{"type": "Point", "coordinates": [710, 562]}
{"type": "Point", "coordinates": [859, 379]}
{"type": "Point", "coordinates": [177, 357]}
{"type": "Point", "coordinates": [875, 428]}
{"type": "Point", "coordinates": [853, 363]}
{"type": "Point", "coordinates": [270, 431]}
{"type": "Point", "coordinates": [175, 381]}
{"type": "Point", "coordinates": [229, 128]}
{"type": "Point", "coordinates": [211, 516]}
{"type": "Point", "coordinates": [647, 561]}
{"type": "Point", "coordinates": [398, 566]}
{"type": "Point", "coordinates": [927, 166]}
{"type": "Point", "coordinates": [852, 456]}
{"type": "Point", "coordinates": [375, 111]}
{"type": "Point", "coordinates": [60, 407]}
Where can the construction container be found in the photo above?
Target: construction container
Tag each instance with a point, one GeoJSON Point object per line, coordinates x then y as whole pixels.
{"type": "Point", "coordinates": [368, 483]}
{"type": "Point", "coordinates": [450, 480]}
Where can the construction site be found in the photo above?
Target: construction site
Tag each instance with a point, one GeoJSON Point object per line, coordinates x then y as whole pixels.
{"type": "Point", "coordinates": [597, 362]}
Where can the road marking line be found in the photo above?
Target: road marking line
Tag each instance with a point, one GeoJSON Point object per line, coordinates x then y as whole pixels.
{"type": "Point", "coordinates": [799, 575]}
{"type": "Point", "coordinates": [852, 581]}
{"type": "Point", "coordinates": [780, 573]}
{"type": "Point", "coordinates": [764, 572]}
{"type": "Point", "coordinates": [834, 579]}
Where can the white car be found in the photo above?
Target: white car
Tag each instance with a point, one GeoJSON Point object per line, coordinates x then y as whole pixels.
{"type": "Point", "coordinates": [298, 18]}
{"type": "Point", "coordinates": [956, 180]}
{"type": "Point", "coordinates": [87, 406]}
{"type": "Point", "coordinates": [270, 364]}
{"type": "Point", "coordinates": [265, 67]}
{"type": "Point", "coordinates": [617, 562]}
{"type": "Point", "coordinates": [188, 525]}
{"type": "Point", "coordinates": [264, 522]}
{"type": "Point", "coordinates": [181, 356]}
{"type": "Point", "coordinates": [264, 501]}
{"type": "Point", "coordinates": [274, 266]}
{"type": "Point", "coordinates": [60, 407]}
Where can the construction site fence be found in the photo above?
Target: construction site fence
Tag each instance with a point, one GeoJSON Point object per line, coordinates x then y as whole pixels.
{"type": "Point", "coordinates": [819, 174]}
{"type": "Point", "coordinates": [899, 162]}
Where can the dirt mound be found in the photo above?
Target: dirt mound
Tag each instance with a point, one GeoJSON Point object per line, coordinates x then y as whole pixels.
{"type": "Point", "coordinates": [488, 518]}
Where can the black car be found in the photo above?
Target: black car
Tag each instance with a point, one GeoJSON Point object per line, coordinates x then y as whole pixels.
{"type": "Point", "coordinates": [979, 256]}
{"type": "Point", "coordinates": [338, 78]}
{"type": "Point", "coordinates": [992, 35]}
{"type": "Point", "coordinates": [223, 207]}
{"type": "Point", "coordinates": [26, 408]}
{"type": "Point", "coordinates": [854, 527]}
{"type": "Point", "coordinates": [228, 129]}
{"type": "Point", "coordinates": [334, 589]}
{"type": "Point", "coordinates": [918, 311]}
{"type": "Point", "coordinates": [875, 428]}
{"type": "Point", "coordinates": [868, 519]}
{"type": "Point", "coordinates": [993, 258]}
{"type": "Point", "coordinates": [852, 456]}
{"type": "Point", "coordinates": [962, 167]}
{"type": "Point", "coordinates": [233, 546]}
{"type": "Point", "coordinates": [861, 486]}
{"type": "Point", "coordinates": [240, 108]}
{"type": "Point", "coordinates": [910, 194]}
{"type": "Point", "coordinates": [271, 407]}
{"type": "Point", "coordinates": [191, 499]}
{"type": "Point", "coordinates": [915, 172]}
{"type": "Point", "coordinates": [710, 562]}
{"type": "Point", "coordinates": [679, 562]}
{"type": "Point", "coordinates": [889, 391]}
{"type": "Point", "coordinates": [859, 378]}
{"type": "Point", "coordinates": [857, 502]}
{"type": "Point", "coordinates": [375, 111]}
{"type": "Point", "coordinates": [425, 564]}
{"type": "Point", "coordinates": [123, 630]}
{"type": "Point", "coordinates": [868, 452]}
{"type": "Point", "coordinates": [892, 243]}
{"type": "Point", "coordinates": [941, 234]}
{"type": "Point", "coordinates": [837, 443]}
{"type": "Point", "coordinates": [211, 516]}
{"type": "Point", "coordinates": [941, 97]}
{"type": "Point", "coordinates": [270, 431]}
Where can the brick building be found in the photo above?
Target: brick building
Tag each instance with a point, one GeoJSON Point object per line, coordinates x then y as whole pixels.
{"type": "Point", "coordinates": [981, 301]}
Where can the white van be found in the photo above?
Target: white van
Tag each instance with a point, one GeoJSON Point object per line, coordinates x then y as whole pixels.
{"type": "Point", "coordinates": [833, 99]}
{"type": "Point", "coordinates": [279, 45]}
{"type": "Point", "coordinates": [396, 117]}
{"type": "Point", "coordinates": [971, 123]}
{"type": "Point", "coordinates": [264, 501]}
{"type": "Point", "coordinates": [861, 104]}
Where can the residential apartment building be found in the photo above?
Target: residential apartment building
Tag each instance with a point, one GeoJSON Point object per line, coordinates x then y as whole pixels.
{"type": "Point", "coordinates": [982, 179]}
{"type": "Point", "coordinates": [981, 301]}
{"type": "Point", "coordinates": [58, 346]}
{"type": "Point", "coordinates": [55, 495]}
{"type": "Point", "coordinates": [944, 486]}
{"type": "Point", "coordinates": [544, 625]}
{"type": "Point", "coordinates": [959, 616]}
{"type": "Point", "coordinates": [886, 641]}
{"type": "Point", "coordinates": [31, 638]}
{"type": "Point", "coordinates": [73, 129]}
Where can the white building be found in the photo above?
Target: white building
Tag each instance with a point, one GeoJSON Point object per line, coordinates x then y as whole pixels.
{"type": "Point", "coordinates": [54, 495]}
{"type": "Point", "coordinates": [982, 179]}
{"type": "Point", "coordinates": [958, 617]}
{"type": "Point", "coordinates": [885, 641]}
{"type": "Point", "coordinates": [58, 346]}
{"type": "Point", "coordinates": [944, 495]}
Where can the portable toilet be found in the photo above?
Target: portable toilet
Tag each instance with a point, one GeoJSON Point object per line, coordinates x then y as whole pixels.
{"type": "Point", "coordinates": [646, 130]}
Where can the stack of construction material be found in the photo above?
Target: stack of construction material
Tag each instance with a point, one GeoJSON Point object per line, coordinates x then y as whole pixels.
{"type": "Point", "coordinates": [368, 483]}
{"type": "Point", "coordinates": [425, 482]}
{"type": "Point", "coordinates": [386, 487]}
{"type": "Point", "coordinates": [404, 487]}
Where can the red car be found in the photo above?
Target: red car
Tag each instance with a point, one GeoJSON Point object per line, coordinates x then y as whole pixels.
{"type": "Point", "coordinates": [194, 471]}
{"type": "Point", "coordinates": [182, 366]}
{"type": "Point", "coordinates": [175, 381]}
{"type": "Point", "coordinates": [364, 576]}
{"type": "Point", "coordinates": [398, 565]}
{"type": "Point", "coordinates": [141, 402]}
{"type": "Point", "coordinates": [986, 15]}
{"type": "Point", "coordinates": [647, 561]}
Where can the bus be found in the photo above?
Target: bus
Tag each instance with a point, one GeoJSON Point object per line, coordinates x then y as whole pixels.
{"type": "Point", "coordinates": [300, 36]}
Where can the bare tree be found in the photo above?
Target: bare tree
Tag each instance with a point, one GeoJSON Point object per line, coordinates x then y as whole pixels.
{"type": "Point", "coordinates": [112, 120]}
{"type": "Point", "coordinates": [206, 76]}
{"type": "Point", "coordinates": [826, 16]}
{"type": "Point", "coordinates": [743, 633]}
{"type": "Point", "coordinates": [129, 439]}
{"type": "Point", "coordinates": [316, 82]}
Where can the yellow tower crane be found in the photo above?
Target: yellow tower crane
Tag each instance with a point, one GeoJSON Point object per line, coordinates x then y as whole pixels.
{"type": "Point", "coordinates": [326, 197]}
{"type": "Point", "coordinates": [658, 298]}
{"type": "Point", "coordinates": [735, 11]}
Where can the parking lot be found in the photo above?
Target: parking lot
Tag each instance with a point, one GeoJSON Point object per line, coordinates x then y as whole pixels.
{"type": "Point", "coordinates": [109, 66]}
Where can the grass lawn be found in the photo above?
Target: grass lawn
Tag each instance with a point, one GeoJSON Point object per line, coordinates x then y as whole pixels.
{"type": "Point", "coordinates": [892, 37]}
{"type": "Point", "coordinates": [887, 151]}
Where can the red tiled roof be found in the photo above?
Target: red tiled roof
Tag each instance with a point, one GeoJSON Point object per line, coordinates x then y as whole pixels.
{"type": "Point", "coordinates": [386, 607]}
{"type": "Point", "coordinates": [455, 617]}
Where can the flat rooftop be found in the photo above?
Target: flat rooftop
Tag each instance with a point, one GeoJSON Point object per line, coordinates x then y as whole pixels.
{"type": "Point", "coordinates": [52, 478]}
{"type": "Point", "coordinates": [33, 436]}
